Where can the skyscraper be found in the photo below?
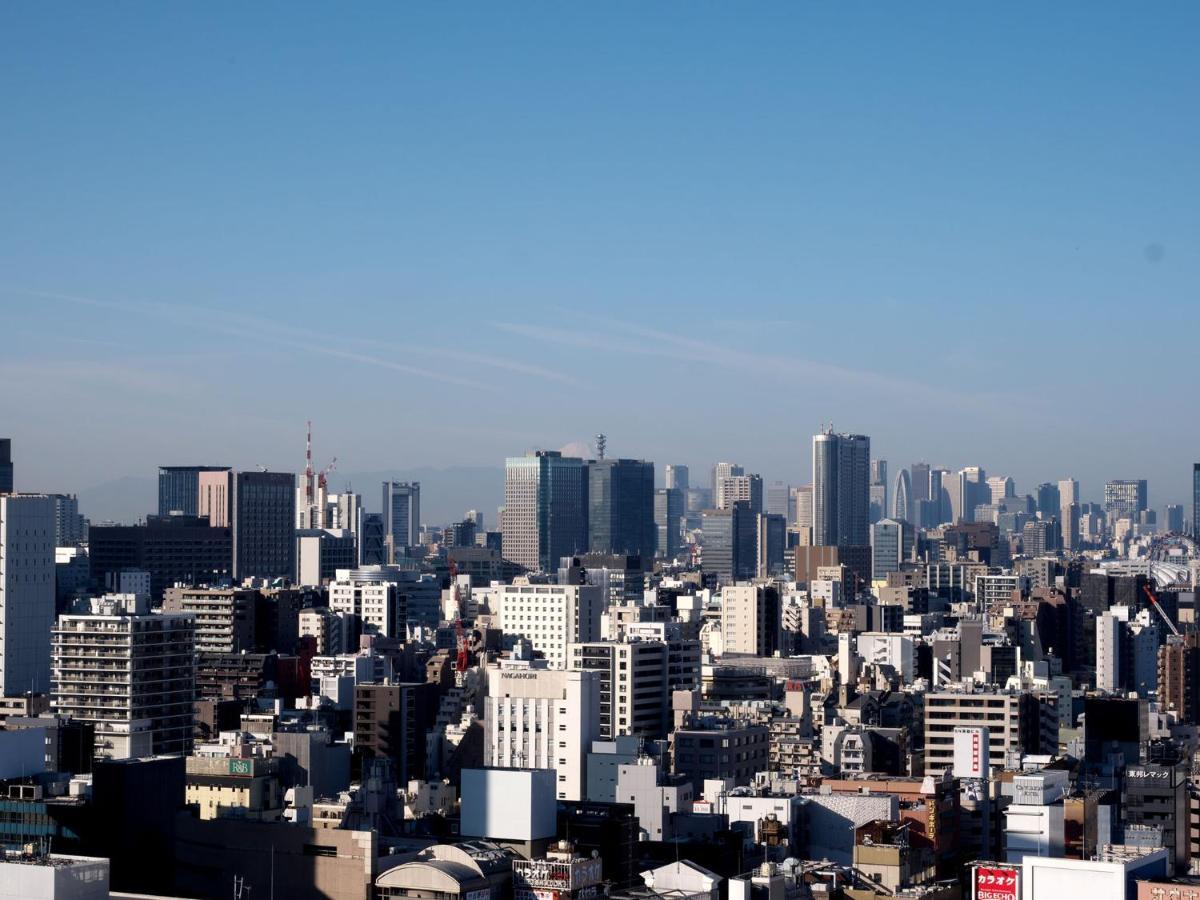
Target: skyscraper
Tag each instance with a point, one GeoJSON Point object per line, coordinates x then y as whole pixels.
{"type": "Point", "coordinates": [973, 491]}
{"type": "Point", "coordinates": [1124, 499]}
{"type": "Point", "coordinates": [264, 525]}
{"type": "Point", "coordinates": [545, 509]}
{"type": "Point", "coordinates": [1174, 518]}
{"type": "Point", "coordinates": [730, 542]}
{"type": "Point", "coordinates": [26, 592]}
{"type": "Point", "coordinates": [401, 515]}
{"type": "Point", "coordinates": [620, 512]}
{"type": "Point", "coordinates": [733, 488]}
{"type": "Point", "coordinates": [1195, 500]}
{"type": "Point", "coordinates": [215, 497]}
{"type": "Point", "coordinates": [802, 503]}
{"type": "Point", "coordinates": [6, 466]}
{"type": "Point", "coordinates": [723, 470]}
{"type": "Point", "coordinates": [668, 521]}
{"type": "Point", "coordinates": [675, 476]}
{"type": "Point", "coordinates": [179, 488]}
{"type": "Point", "coordinates": [1049, 501]}
{"type": "Point", "coordinates": [879, 489]}
{"type": "Point", "coordinates": [70, 528]}
{"type": "Point", "coordinates": [1001, 486]}
{"type": "Point", "coordinates": [902, 497]}
{"type": "Point", "coordinates": [1068, 498]}
{"type": "Point", "coordinates": [841, 474]}
{"type": "Point", "coordinates": [891, 544]}
{"type": "Point", "coordinates": [918, 482]}
{"type": "Point", "coordinates": [777, 499]}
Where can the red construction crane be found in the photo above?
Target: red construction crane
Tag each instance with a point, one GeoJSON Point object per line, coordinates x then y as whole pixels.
{"type": "Point", "coordinates": [463, 662]}
{"type": "Point", "coordinates": [1158, 607]}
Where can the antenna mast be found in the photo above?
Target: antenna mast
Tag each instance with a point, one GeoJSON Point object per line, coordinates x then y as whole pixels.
{"type": "Point", "coordinates": [308, 468]}
{"type": "Point", "coordinates": [601, 445]}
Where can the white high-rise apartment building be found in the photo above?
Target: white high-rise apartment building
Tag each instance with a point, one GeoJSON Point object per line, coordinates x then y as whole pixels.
{"type": "Point", "coordinates": [26, 592]}
{"type": "Point", "coordinates": [131, 674]}
{"type": "Point", "coordinates": [550, 617]}
{"type": "Point", "coordinates": [371, 596]}
{"type": "Point", "coordinates": [539, 718]}
{"type": "Point", "coordinates": [750, 619]}
{"type": "Point", "coordinates": [634, 696]}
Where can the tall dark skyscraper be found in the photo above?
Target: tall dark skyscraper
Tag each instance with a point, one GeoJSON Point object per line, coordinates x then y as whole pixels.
{"type": "Point", "coordinates": [841, 490]}
{"type": "Point", "coordinates": [179, 488]}
{"type": "Point", "coordinates": [545, 509]}
{"type": "Point", "coordinates": [1049, 501]}
{"type": "Point", "coordinates": [1195, 500]}
{"type": "Point", "coordinates": [621, 507]}
{"type": "Point", "coordinates": [730, 541]}
{"type": "Point", "coordinates": [264, 525]}
{"type": "Point", "coordinates": [6, 466]}
{"type": "Point", "coordinates": [668, 521]}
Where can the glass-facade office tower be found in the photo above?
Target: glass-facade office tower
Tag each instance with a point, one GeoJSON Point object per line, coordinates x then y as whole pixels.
{"type": "Point", "coordinates": [1195, 499]}
{"type": "Point", "coordinates": [6, 466]}
{"type": "Point", "coordinates": [179, 488]}
{"type": "Point", "coordinates": [668, 521]}
{"type": "Point", "coordinates": [401, 514]}
{"type": "Point", "coordinates": [264, 525]}
{"type": "Point", "coordinates": [676, 476]}
{"type": "Point", "coordinates": [841, 490]}
{"type": "Point", "coordinates": [1124, 499]}
{"type": "Point", "coordinates": [730, 546]}
{"type": "Point", "coordinates": [545, 509]}
{"type": "Point", "coordinates": [26, 592]}
{"type": "Point", "coordinates": [620, 512]}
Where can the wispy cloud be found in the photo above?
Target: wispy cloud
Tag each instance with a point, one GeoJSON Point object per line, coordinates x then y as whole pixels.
{"type": "Point", "coordinates": [615, 337]}
{"type": "Point", "coordinates": [257, 330]}
{"type": "Point", "coordinates": [245, 325]}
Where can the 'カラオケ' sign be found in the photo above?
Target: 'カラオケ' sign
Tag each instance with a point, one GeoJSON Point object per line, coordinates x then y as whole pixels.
{"type": "Point", "coordinates": [995, 884]}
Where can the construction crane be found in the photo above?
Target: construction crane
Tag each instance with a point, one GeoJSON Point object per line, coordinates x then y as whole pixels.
{"type": "Point", "coordinates": [1158, 608]}
{"type": "Point", "coordinates": [462, 660]}
{"type": "Point", "coordinates": [323, 475]}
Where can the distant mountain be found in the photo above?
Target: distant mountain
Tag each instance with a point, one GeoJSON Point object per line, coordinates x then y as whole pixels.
{"type": "Point", "coordinates": [125, 500]}
{"type": "Point", "coordinates": [445, 493]}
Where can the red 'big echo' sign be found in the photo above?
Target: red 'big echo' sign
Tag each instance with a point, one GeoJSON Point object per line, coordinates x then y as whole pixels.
{"type": "Point", "coordinates": [995, 884]}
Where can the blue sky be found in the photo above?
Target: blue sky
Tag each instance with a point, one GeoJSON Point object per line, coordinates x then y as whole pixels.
{"type": "Point", "coordinates": [450, 232]}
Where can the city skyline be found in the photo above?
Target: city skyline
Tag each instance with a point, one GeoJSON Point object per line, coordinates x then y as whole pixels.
{"type": "Point", "coordinates": [136, 487]}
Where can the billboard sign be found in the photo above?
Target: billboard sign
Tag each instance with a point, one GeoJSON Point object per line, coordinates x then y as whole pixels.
{"type": "Point", "coordinates": [971, 753]}
{"type": "Point", "coordinates": [995, 883]}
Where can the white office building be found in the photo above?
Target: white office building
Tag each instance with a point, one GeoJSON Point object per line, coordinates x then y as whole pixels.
{"type": "Point", "coordinates": [550, 617]}
{"type": "Point", "coordinates": [26, 592]}
{"type": "Point", "coordinates": [541, 718]}
{"type": "Point", "coordinates": [370, 596]}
